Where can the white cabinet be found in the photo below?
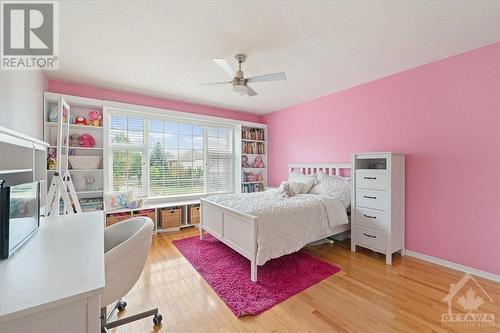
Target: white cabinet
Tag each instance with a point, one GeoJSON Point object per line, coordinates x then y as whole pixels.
{"type": "Point", "coordinates": [378, 203]}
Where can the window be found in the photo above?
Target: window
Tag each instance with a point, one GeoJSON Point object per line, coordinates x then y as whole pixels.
{"type": "Point", "coordinates": [164, 157]}
{"type": "Point", "coordinates": [127, 145]}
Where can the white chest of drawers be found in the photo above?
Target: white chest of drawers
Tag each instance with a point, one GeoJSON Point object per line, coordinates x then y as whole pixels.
{"type": "Point", "coordinates": [378, 203]}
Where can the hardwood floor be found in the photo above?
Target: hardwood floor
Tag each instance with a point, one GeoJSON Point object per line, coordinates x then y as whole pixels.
{"type": "Point", "coordinates": [366, 296]}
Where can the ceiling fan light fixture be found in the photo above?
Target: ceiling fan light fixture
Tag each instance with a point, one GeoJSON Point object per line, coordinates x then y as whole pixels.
{"type": "Point", "coordinates": [240, 89]}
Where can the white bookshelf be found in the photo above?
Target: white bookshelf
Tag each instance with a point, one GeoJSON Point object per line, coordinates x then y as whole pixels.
{"type": "Point", "coordinates": [253, 146]}
{"type": "Point", "coordinates": [89, 183]}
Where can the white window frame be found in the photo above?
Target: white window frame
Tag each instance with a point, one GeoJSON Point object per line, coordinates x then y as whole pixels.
{"type": "Point", "coordinates": [149, 113]}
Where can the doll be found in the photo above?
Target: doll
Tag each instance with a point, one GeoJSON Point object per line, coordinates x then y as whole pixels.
{"type": "Point", "coordinates": [95, 118]}
{"type": "Point", "coordinates": [80, 121]}
{"type": "Point", "coordinates": [258, 163]}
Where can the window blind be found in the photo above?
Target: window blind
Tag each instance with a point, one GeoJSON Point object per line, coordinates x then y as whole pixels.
{"type": "Point", "coordinates": [126, 137]}
{"type": "Point", "coordinates": [219, 160]}
{"type": "Point", "coordinates": [126, 130]}
{"type": "Point", "coordinates": [127, 171]}
{"type": "Point", "coordinates": [176, 158]}
{"type": "Point", "coordinates": [164, 157]}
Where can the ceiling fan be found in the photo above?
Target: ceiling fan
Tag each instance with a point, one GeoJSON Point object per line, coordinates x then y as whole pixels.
{"type": "Point", "coordinates": [239, 82]}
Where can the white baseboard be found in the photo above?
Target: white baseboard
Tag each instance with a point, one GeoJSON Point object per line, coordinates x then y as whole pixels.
{"type": "Point", "coordinates": [458, 267]}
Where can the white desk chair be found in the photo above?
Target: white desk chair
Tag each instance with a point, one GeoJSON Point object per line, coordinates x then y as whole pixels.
{"type": "Point", "coordinates": [126, 248]}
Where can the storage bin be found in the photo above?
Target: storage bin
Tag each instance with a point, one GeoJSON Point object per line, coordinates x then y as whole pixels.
{"type": "Point", "coordinates": [146, 213]}
{"type": "Point", "coordinates": [85, 162]}
{"type": "Point", "coordinates": [115, 218]}
{"type": "Point", "coordinates": [194, 215]}
{"type": "Point", "coordinates": [170, 217]}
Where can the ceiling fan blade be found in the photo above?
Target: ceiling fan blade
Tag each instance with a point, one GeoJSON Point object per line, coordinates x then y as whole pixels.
{"type": "Point", "coordinates": [251, 92]}
{"type": "Point", "coordinates": [224, 64]}
{"type": "Point", "coordinates": [268, 77]}
{"type": "Point", "coordinates": [214, 83]}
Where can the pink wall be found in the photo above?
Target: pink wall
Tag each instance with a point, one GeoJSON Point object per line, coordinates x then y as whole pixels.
{"type": "Point", "coordinates": [68, 88]}
{"type": "Point", "coordinates": [445, 117]}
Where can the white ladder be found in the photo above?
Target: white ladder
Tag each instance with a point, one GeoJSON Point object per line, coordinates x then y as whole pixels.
{"type": "Point", "coordinates": [61, 185]}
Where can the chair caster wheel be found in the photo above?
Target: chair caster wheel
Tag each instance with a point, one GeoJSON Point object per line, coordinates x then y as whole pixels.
{"type": "Point", "coordinates": [157, 319]}
{"type": "Point", "coordinates": [121, 306]}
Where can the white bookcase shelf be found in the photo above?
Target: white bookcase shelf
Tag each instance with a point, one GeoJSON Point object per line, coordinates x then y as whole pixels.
{"type": "Point", "coordinates": [89, 183]}
{"type": "Point", "coordinates": [253, 148]}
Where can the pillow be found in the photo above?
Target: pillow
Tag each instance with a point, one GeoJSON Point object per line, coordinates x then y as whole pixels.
{"type": "Point", "coordinates": [307, 180]}
{"type": "Point", "coordinates": [334, 186]}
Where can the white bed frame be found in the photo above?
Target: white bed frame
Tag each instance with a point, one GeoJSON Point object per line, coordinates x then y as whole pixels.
{"type": "Point", "coordinates": [239, 230]}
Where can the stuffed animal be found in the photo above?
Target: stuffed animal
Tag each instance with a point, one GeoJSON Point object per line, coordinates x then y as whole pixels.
{"type": "Point", "coordinates": [87, 141]}
{"type": "Point", "coordinates": [74, 140]}
{"type": "Point", "coordinates": [258, 163]}
{"type": "Point", "coordinates": [80, 121]}
{"type": "Point", "coordinates": [53, 115]}
{"type": "Point", "coordinates": [51, 164]}
{"type": "Point", "coordinates": [95, 118]}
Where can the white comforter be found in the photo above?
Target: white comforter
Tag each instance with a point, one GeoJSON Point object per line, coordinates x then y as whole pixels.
{"type": "Point", "coordinates": [285, 225]}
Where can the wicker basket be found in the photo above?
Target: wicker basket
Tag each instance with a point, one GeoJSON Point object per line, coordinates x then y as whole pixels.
{"type": "Point", "coordinates": [146, 213]}
{"type": "Point", "coordinates": [194, 214]}
{"type": "Point", "coordinates": [85, 162]}
{"type": "Point", "coordinates": [170, 218]}
{"type": "Point", "coordinates": [115, 218]}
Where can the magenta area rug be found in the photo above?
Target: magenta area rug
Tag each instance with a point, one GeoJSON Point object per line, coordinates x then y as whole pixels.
{"type": "Point", "coordinates": [228, 273]}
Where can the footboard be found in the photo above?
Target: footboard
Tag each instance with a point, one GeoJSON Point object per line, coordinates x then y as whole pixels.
{"type": "Point", "coordinates": [235, 229]}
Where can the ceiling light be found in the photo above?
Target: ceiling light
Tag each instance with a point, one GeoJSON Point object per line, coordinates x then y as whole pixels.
{"type": "Point", "coordinates": [240, 89]}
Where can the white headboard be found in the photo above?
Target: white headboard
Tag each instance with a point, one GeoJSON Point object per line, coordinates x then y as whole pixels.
{"type": "Point", "coordinates": [326, 168]}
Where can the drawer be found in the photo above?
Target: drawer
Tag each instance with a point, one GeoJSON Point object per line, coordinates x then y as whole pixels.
{"type": "Point", "coordinates": [371, 218]}
{"type": "Point", "coordinates": [372, 179]}
{"type": "Point", "coordinates": [370, 238]}
{"type": "Point", "coordinates": [371, 199]}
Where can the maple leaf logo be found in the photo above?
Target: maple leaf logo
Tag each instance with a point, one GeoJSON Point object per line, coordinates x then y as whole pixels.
{"type": "Point", "coordinates": [470, 301]}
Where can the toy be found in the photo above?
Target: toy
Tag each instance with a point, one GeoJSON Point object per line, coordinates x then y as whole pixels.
{"type": "Point", "coordinates": [90, 183]}
{"type": "Point", "coordinates": [52, 153]}
{"type": "Point", "coordinates": [74, 140]}
{"type": "Point", "coordinates": [258, 163]}
{"type": "Point", "coordinates": [95, 118]}
{"type": "Point", "coordinates": [80, 121]}
{"type": "Point", "coordinates": [53, 115]}
{"type": "Point", "coordinates": [134, 204]}
{"type": "Point", "coordinates": [87, 141]}
{"type": "Point", "coordinates": [244, 162]}
{"type": "Point", "coordinates": [51, 163]}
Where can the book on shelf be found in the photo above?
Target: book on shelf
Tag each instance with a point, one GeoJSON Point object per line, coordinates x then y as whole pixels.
{"type": "Point", "coordinates": [252, 134]}
{"type": "Point", "coordinates": [249, 188]}
{"type": "Point", "coordinates": [253, 148]}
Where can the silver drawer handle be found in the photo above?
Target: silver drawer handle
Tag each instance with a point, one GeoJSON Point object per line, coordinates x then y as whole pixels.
{"type": "Point", "coordinates": [371, 236]}
{"type": "Point", "coordinates": [369, 197]}
{"type": "Point", "coordinates": [370, 217]}
{"type": "Point", "coordinates": [371, 178]}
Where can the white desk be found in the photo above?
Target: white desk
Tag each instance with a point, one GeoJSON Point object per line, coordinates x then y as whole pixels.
{"type": "Point", "coordinates": [53, 282]}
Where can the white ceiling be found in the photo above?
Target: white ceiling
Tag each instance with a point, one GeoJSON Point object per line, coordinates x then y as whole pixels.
{"type": "Point", "coordinates": [165, 48]}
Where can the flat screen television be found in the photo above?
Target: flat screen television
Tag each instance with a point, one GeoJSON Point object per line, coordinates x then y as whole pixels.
{"type": "Point", "coordinates": [19, 215]}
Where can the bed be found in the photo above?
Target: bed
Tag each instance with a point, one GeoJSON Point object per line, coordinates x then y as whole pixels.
{"type": "Point", "coordinates": [262, 225]}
